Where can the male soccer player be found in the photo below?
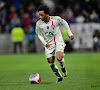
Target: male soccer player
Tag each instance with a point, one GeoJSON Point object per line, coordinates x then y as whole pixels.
{"type": "Point", "coordinates": [47, 29]}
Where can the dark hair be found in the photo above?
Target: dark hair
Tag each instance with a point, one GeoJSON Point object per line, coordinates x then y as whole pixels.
{"type": "Point", "coordinates": [43, 8]}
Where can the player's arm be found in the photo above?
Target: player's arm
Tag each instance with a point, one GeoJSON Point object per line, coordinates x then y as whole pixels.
{"type": "Point", "coordinates": [39, 33]}
{"type": "Point", "coordinates": [62, 21]}
{"type": "Point", "coordinates": [71, 36]}
{"type": "Point", "coordinates": [43, 41]}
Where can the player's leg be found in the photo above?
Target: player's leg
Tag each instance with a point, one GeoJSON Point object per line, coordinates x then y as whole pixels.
{"type": "Point", "coordinates": [50, 55]}
{"type": "Point", "coordinates": [59, 55]}
{"type": "Point", "coordinates": [54, 68]}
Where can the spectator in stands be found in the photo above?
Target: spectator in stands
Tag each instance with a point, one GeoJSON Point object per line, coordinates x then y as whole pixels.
{"type": "Point", "coordinates": [76, 9]}
{"type": "Point", "coordinates": [3, 25]}
{"type": "Point", "coordinates": [15, 21]}
{"type": "Point", "coordinates": [86, 15]}
{"type": "Point", "coordinates": [12, 12]}
{"type": "Point", "coordinates": [96, 38]}
{"type": "Point", "coordinates": [2, 4]}
{"type": "Point", "coordinates": [68, 15]}
{"type": "Point", "coordinates": [17, 38]}
{"type": "Point", "coordinates": [98, 10]}
{"type": "Point", "coordinates": [4, 13]}
{"type": "Point", "coordinates": [31, 38]}
{"type": "Point", "coordinates": [31, 7]}
{"type": "Point", "coordinates": [26, 20]}
{"type": "Point", "coordinates": [94, 16]}
{"type": "Point", "coordinates": [34, 18]}
{"type": "Point", "coordinates": [3, 20]}
{"type": "Point", "coordinates": [16, 3]}
{"type": "Point", "coordinates": [80, 18]}
{"type": "Point", "coordinates": [50, 4]}
{"type": "Point", "coordinates": [21, 10]}
{"type": "Point", "coordinates": [59, 9]}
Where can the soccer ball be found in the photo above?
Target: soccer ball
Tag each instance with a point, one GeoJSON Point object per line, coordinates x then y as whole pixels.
{"type": "Point", "coordinates": [34, 78]}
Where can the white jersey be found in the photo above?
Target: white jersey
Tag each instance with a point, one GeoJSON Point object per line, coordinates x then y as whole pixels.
{"type": "Point", "coordinates": [50, 32]}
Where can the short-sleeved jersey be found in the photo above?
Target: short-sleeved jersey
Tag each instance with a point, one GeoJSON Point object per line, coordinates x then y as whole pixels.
{"type": "Point", "coordinates": [50, 31]}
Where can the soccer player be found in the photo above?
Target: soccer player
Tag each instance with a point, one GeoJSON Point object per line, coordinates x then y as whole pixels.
{"type": "Point", "coordinates": [47, 29]}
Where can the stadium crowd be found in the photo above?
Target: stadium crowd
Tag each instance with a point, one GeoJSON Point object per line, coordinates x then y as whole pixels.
{"type": "Point", "coordinates": [23, 12]}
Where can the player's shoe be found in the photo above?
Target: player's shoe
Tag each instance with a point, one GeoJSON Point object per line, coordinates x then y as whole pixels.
{"type": "Point", "coordinates": [59, 79]}
{"type": "Point", "coordinates": [64, 72]}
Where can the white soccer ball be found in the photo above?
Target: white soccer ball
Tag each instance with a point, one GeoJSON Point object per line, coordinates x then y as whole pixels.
{"type": "Point", "coordinates": [34, 78]}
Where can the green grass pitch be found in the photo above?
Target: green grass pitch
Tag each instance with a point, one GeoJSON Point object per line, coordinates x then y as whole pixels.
{"type": "Point", "coordinates": [83, 72]}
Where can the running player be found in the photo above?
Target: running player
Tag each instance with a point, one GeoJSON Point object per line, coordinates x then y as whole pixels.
{"type": "Point", "coordinates": [47, 29]}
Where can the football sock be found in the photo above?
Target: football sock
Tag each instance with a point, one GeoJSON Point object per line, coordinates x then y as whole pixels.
{"type": "Point", "coordinates": [55, 69]}
{"type": "Point", "coordinates": [62, 65]}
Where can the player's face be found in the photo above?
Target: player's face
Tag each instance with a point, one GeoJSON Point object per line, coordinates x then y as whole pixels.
{"type": "Point", "coordinates": [43, 16]}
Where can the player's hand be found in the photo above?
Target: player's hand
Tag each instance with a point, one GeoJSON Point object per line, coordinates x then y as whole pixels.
{"type": "Point", "coordinates": [71, 37]}
{"type": "Point", "coordinates": [47, 45]}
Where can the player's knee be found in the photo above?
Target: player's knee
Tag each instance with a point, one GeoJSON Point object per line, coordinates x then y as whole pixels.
{"type": "Point", "coordinates": [59, 58]}
{"type": "Point", "coordinates": [50, 60]}
{"type": "Point", "coordinates": [59, 55]}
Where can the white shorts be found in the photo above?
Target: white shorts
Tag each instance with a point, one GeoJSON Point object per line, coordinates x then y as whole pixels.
{"type": "Point", "coordinates": [49, 52]}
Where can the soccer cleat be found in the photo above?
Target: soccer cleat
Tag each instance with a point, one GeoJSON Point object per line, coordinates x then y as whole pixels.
{"type": "Point", "coordinates": [64, 72]}
{"type": "Point", "coordinates": [60, 79]}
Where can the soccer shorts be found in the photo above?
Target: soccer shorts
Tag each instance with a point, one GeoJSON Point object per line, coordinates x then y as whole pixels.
{"type": "Point", "coordinates": [51, 51]}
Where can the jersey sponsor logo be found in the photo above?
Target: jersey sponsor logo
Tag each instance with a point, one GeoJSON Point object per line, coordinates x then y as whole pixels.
{"type": "Point", "coordinates": [49, 34]}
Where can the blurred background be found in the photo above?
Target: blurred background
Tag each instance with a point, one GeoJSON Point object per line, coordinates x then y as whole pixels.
{"type": "Point", "coordinates": [18, 19]}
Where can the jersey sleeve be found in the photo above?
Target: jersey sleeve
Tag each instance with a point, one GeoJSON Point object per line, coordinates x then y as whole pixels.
{"type": "Point", "coordinates": [61, 21]}
{"type": "Point", "coordinates": [39, 33]}
{"type": "Point", "coordinates": [37, 29]}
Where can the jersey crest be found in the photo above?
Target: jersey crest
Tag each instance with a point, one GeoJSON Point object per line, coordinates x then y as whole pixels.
{"type": "Point", "coordinates": [47, 27]}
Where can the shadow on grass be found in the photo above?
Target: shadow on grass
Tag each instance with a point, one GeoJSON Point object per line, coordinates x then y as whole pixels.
{"type": "Point", "coordinates": [23, 83]}
{"type": "Point", "coordinates": [44, 82]}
